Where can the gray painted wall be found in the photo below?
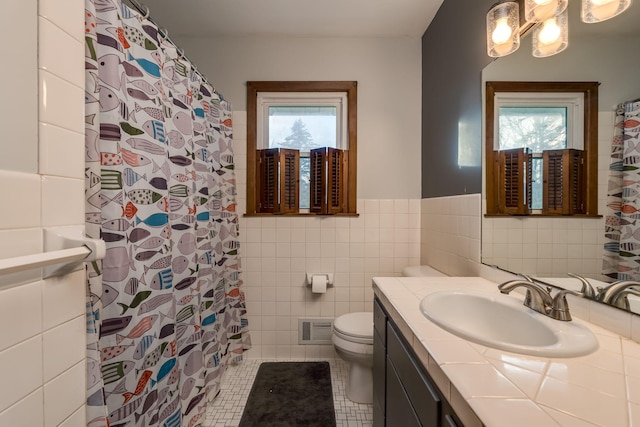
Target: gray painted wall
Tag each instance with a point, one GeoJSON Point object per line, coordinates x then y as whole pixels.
{"type": "Point", "coordinates": [453, 56]}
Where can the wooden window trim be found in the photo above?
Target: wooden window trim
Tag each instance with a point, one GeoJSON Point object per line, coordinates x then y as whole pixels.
{"type": "Point", "coordinates": [253, 87]}
{"type": "Point", "coordinates": [590, 91]}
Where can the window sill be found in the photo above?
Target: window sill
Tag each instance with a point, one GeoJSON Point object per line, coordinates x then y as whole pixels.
{"type": "Point", "coordinates": [299, 214]}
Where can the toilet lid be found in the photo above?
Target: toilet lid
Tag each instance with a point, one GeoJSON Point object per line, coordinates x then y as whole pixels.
{"type": "Point", "coordinates": [359, 325]}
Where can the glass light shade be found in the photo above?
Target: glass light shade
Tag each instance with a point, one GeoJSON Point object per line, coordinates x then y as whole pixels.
{"type": "Point", "coordinates": [541, 10]}
{"type": "Point", "coordinates": [503, 25]}
{"type": "Point", "coordinates": [594, 11]}
{"type": "Point", "coordinates": [551, 36]}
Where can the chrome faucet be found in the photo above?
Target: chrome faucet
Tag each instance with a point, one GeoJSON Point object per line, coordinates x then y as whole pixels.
{"type": "Point", "coordinates": [538, 298]}
{"type": "Point", "coordinates": [616, 293]}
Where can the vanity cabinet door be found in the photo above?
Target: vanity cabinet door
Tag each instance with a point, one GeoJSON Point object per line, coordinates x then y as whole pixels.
{"type": "Point", "coordinates": [380, 321]}
{"type": "Point", "coordinates": [419, 387]}
{"type": "Point", "coordinates": [379, 364]}
{"type": "Point", "coordinates": [399, 407]}
{"type": "Point", "coordinates": [379, 380]}
{"type": "Point", "coordinates": [448, 421]}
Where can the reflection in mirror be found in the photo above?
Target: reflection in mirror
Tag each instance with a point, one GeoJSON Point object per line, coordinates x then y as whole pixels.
{"type": "Point", "coordinates": [548, 247]}
{"type": "Point", "coordinates": [541, 138]}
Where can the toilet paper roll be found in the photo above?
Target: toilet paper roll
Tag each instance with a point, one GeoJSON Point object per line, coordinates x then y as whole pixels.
{"type": "Point", "coordinates": [319, 284]}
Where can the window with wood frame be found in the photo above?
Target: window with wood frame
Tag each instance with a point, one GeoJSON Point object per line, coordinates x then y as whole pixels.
{"type": "Point", "coordinates": [301, 148]}
{"type": "Point", "coordinates": [541, 148]}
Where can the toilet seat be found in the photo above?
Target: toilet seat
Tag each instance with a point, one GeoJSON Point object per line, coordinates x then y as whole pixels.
{"type": "Point", "coordinates": [355, 327]}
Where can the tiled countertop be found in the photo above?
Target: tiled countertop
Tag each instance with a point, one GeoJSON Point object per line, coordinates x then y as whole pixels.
{"type": "Point", "coordinates": [496, 388]}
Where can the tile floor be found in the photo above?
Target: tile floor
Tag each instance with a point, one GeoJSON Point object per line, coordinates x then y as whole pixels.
{"type": "Point", "coordinates": [226, 409]}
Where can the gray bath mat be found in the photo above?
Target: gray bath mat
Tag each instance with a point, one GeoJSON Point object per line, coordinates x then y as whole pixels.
{"type": "Point", "coordinates": [290, 394]}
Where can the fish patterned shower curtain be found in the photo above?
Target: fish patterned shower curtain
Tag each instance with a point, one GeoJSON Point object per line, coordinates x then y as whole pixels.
{"type": "Point", "coordinates": [165, 309]}
{"type": "Point", "coordinates": [622, 221]}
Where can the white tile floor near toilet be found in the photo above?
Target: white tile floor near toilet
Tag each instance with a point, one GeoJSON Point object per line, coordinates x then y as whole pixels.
{"type": "Point", "coordinates": [226, 409]}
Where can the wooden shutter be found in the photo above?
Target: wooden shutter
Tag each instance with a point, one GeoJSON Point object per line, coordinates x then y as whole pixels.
{"type": "Point", "coordinates": [278, 184]}
{"type": "Point", "coordinates": [336, 179]}
{"type": "Point", "coordinates": [515, 181]}
{"type": "Point", "coordinates": [289, 180]}
{"type": "Point", "coordinates": [268, 180]}
{"type": "Point", "coordinates": [563, 188]}
{"type": "Point", "coordinates": [328, 177]}
{"type": "Point", "coordinates": [317, 179]}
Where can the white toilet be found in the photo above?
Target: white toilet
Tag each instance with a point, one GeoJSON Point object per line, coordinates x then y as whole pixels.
{"type": "Point", "coordinates": [353, 340]}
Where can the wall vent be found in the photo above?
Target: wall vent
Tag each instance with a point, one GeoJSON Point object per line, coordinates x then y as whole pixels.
{"type": "Point", "coordinates": [315, 331]}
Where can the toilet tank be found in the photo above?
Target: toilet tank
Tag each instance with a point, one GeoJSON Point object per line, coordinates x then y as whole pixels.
{"type": "Point", "coordinates": [421, 271]}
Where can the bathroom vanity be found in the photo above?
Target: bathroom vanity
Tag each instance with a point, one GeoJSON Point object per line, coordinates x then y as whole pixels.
{"type": "Point", "coordinates": [426, 376]}
{"type": "Point", "coordinates": [403, 392]}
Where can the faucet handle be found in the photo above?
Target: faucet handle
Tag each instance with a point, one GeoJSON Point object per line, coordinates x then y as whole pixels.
{"type": "Point", "coordinates": [621, 299]}
{"type": "Point", "coordinates": [560, 306]}
{"type": "Point", "coordinates": [587, 289]}
{"type": "Point", "coordinates": [532, 299]}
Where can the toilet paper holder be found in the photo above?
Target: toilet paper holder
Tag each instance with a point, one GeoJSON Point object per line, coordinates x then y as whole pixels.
{"type": "Point", "coordinates": [309, 278]}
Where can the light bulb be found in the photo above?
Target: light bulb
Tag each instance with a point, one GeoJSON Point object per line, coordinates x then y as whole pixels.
{"type": "Point", "coordinates": [541, 2]}
{"type": "Point", "coordinates": [601, 2]}
{"type": "Point", "coordinates": [502, 33]}
{"type": "Point", "coordinates": [502, 29]}
{"type": "Point", "coordinates": [551, 36]}
{"type": "Point", "coordinates": [550, 31]}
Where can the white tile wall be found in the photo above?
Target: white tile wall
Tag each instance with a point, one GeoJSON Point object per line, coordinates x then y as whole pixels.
{"type": "Point", "coordinates": [58, 358]}
{"type": "Point", "coordinates": [21, 199]}
{"type": "Point", "coordinates": [450, 234]}
{"type": "Point", "coordinates": [61, 152]}
{"type": "Point", "coordinates": [278, 251]}
{"type": "Point", "coordinates": [63, 396]}
{"type": "Point", "coordinates": [42, 323]}
{"type": "Point", "coordinates": [59, 102]}
{"type": "Point", "coordinates": [25, 413]}
{"type": "Point", "coordinates": [23, 381]}
{"type": "Point", "coordinates": [62, 201]}
{"type": "Point", "coordinates": [16, 323]}
{"type": "Point", "coordinates": [20, 129]}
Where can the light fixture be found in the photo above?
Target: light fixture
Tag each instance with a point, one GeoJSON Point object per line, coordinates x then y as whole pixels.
{"type": "Point", "coordinates": [503, 36]}
{"type": "Point", "coordinates": [541, 10]}
{"type": "Point", "coordinates": [594, 11]}
{"type": "Point", "coordinates": [551, 30]}
{"type": "Point", "coordinates": [551, 37]}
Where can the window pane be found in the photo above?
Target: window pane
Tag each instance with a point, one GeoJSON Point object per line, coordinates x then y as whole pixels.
{"type": "Point", "coordinates": [305, 196]}
{"type": "Point", "coordinates": [539, 128]}
{"type": "Point", "coordinates": [302, 127]}
{"type": "Point", "coordinates": [536, 183]}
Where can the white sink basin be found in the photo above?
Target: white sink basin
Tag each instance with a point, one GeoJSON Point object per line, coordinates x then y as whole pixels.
{"type": "Point", "coordinates": [501, 321]}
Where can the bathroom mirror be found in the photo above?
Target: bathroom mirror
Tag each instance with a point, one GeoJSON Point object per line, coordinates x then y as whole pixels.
{"type": "Point", "coordinates": [551, 247]}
